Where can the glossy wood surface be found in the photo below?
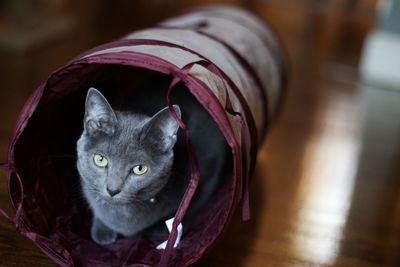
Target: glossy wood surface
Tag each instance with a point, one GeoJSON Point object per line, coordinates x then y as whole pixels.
{"type": "Point", "coordinates": [326, 190]}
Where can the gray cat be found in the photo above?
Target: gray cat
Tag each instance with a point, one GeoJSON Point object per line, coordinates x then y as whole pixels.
{"type": "Point", "coordinates": [134, 167]}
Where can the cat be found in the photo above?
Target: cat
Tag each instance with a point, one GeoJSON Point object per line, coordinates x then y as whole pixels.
{"type": "Point", "coordinates": [133, 161]}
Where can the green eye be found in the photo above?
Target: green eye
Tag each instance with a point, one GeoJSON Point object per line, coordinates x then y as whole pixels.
{"type": "Point", "coordinates": [140, 169]}
{"type": "Point", "coordinates": [100, 160]}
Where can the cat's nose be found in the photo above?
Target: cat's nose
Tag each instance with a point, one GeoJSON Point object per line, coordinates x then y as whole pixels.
{"type": "Point", "coordinates": [113, 192]}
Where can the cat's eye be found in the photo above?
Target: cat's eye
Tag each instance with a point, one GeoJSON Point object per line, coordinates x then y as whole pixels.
{"type": "Point", "coordinates": [100, 160]}
{"type": "Point", "coordinates": [140, 169]}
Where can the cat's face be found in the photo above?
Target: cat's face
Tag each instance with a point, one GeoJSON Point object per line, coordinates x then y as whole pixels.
{"type": "Point", "coordinates": [122, 157]}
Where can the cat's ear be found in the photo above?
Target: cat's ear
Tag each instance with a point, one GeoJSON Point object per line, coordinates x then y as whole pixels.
{"type": "Point", "coordinates": [161, 129]}
{"type": "Point", "coordinates": [99, 116]}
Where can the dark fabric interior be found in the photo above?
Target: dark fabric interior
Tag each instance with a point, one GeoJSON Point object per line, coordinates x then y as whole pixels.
{"type": "Point", "coordinates": [53, 205]}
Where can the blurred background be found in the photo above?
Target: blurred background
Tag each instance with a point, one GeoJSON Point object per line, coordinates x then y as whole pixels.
{"type": "Point", "coordinates": [327, 182]}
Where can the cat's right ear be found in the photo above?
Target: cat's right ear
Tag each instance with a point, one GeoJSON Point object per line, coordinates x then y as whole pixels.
{"type": "Point", "coordinates": [99, 116]}
{"type": "Point", "coordinates": [161, 129]}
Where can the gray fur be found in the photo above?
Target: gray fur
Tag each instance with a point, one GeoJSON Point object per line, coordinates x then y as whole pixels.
{"type": "Point", "coordinates": [121, 201]}
{"type": "Point", "coordinates": [125, 140]}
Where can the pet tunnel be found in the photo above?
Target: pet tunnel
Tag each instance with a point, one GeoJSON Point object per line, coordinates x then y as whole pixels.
{"type": "Point", "coordinates": [229, 61]}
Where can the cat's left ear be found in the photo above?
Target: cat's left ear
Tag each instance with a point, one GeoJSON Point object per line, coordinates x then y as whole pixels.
{"type": "Point", "coordinates": [99, 116]}
{"type": "Point", "coordinates": [161, 129]}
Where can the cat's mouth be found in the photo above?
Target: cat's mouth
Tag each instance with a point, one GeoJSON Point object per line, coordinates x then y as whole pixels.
{"type": "Point", "coordinates": [144, 194]}
{"type": "Point", "coordinates": [117, 200]}
{"type": "Point", "coordinates": [139, 197]}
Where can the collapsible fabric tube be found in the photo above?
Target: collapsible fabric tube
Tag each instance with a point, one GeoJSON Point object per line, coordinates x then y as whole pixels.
{"type": "Point", "coordinates": [228, 60]}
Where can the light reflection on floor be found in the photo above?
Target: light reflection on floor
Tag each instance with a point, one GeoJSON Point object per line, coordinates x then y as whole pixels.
{"type": "Point", "coordinates": [329, 169]}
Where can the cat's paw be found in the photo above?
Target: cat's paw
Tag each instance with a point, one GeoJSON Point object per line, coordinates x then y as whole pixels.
{"type": "Point", "coordinates": [103, 235]}
{"type": "Point", "coordinates": [104, 238]}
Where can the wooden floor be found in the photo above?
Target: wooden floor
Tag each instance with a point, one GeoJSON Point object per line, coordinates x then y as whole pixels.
{"type": "Point", "coordinates": [327, 186]}
{"type": "Point", "coordinates": [326, 191]}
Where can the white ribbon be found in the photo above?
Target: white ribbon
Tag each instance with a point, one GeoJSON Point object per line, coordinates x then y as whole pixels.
{"type": "Point", "coordinates": [169, 223]}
